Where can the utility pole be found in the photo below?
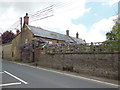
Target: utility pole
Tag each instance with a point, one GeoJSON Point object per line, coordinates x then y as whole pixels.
{"type": "Point", "coordinates": [33, 52]}
{"type": "Point", "coordinates": [21, 39]}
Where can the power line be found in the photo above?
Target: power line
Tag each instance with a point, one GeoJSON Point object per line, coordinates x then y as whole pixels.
{"type": "Point", "coordinates": [42, 14]}
{"type": "Point", "coordinates": [45, 13]}
{"type": "Point", "coordinates": [61, 11]}
{"type": "Point", "coordinates": [38, 18]}
{"type": "Point", "coordinates": [50, 9]}
{"type": "Point", "coordinates": [63, 4]}
{"type": "Point", "coordinates": [41, 11]}
{"type": "Point", "coordinates": [15, 25]}
{"type": "Point", "coordinates": [55, 5]}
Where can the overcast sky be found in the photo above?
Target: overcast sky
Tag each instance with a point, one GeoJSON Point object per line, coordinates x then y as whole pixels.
{"type": "Point", "coordinates": [90, 18]}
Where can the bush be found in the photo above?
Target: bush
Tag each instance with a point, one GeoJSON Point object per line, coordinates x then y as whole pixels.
{"type": "Point", "coordinates": [35, 64]}
{"type": "Point", "coordinates": [68, 68]}
{"type": "Point", "coordinates": [17, 60]}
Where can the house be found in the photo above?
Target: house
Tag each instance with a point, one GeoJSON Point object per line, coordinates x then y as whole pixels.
{"type": "Point", "coordinates": [31, 32]}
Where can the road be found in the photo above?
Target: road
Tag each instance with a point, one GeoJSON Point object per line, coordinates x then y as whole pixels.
{"type": "Point", "coordinates": [22, 76]}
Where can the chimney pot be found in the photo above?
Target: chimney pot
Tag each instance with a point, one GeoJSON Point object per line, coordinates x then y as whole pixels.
{"type": "Point", "coordinates": [26, 14]}
{"type": "Point", "coordinates": [77, 35]}
{"type": "Point", "coordinates": [26, 19]}
{"type": "Point", "coordinates": [67, 32]}
{"type": "Point", "coordinates": [17, 31]}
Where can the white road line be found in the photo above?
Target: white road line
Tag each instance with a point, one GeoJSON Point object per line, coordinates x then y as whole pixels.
{"type": "Point", "coordinates": [10, 84]}
{"type": "Point", "coordinates": [16, 77]}
{"type": "Point", "coordinates": [1, 72]}
{"type": "Point", "coordinates": [70, 75]}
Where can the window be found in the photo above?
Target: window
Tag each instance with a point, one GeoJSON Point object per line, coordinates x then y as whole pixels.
{"type": "Point", "coordinates": [49, 42]}
{"type": "Point", "coordinates": [26, 40]}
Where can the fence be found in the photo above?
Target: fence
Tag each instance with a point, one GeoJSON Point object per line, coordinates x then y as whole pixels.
{"type": "Point", "coordinates": [97, 47]}
{"type": "Point", "coordinates": [110, 47]}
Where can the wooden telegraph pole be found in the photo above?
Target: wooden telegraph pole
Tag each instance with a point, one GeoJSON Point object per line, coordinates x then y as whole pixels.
{"type": "Point", "coordinates": [21, 39]}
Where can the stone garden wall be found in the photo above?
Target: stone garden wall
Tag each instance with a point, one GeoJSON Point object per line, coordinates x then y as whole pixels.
{"type": "Point", "coordinates": [101, 65]}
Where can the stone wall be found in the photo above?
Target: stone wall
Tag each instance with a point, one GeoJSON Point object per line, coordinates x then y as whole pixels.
{"type": "Point", "coordinates": [16, 47]}
{"type": "Point", "coordinates": [101, 65]}
{"type": "Point", "coordinates": [0, 50]}
{"type": "Point", "coordinates": [7, 51]}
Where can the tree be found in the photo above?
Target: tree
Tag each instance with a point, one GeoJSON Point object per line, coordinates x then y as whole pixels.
{"type": "Point", "coordinates": [7, 36]}
{"type": "Point", "coordinates": [113, 37]}
{"type": "Point", "coordinates": [114, 34]}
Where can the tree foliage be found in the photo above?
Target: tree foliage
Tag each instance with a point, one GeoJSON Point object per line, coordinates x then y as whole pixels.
{"type": "Point", "coordinates": [7, 36]}
{"type": "Point", "coordinates": [114, 34]}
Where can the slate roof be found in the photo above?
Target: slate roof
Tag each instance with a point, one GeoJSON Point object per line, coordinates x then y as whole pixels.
{"type": "Point", "coordinates": [53, 35]}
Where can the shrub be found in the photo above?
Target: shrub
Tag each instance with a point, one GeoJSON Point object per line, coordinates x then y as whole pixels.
{"type": "Point", "coordinates": [68, 68]}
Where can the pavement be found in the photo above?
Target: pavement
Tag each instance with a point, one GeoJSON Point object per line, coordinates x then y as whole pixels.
{"type": "Point", "coordinates": [16, 75]}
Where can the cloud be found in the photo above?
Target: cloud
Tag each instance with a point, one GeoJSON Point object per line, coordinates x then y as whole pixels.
{"type": "Point", "coordinates": [99, 29]}
{"type": "Point", "coordinates": [110, 2]}
{"type": "Point", "coordinates": [113, 2]}
{"type": "Point", "coordinates": [26, 0]}
{"type": "Point", "coordinates": [8, 18]}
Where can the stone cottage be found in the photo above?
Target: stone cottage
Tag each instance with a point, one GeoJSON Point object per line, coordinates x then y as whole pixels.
{"type": "Point", "coordinates": [31, 32]}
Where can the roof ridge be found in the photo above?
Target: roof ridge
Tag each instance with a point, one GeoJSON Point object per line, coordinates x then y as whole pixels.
{"type": "Point", "coordinates": [47, 30]}
{"type": "Point", "coordinates": [72, 39]}
{"type": "Point", "coordinates": [51, 31]}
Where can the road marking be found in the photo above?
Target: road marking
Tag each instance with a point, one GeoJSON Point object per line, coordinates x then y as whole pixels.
{"type": "Point", "coordinates": [1, 72]}
{"type": "Point", "coordinates": [10, 84]}
{"type": "Point", "coordinates": [16, 77]}
{"type": "Point", "coordinates": [69, 75]}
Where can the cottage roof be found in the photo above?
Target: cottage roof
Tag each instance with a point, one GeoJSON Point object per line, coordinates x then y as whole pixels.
{"type": "Point", "coordinates": [53, 35]}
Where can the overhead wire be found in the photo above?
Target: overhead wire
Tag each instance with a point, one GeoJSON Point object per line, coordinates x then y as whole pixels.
{"type": "Point", "coordinates": [46, 12]}
{"type": "Point", "coordinates": [43, 13]}
{"type": "Point", "coordinates": [51, 11]}
{"type": "Point", "coordinates": [15, 25]}
{"type": "Point", "coordinates": [55, 6]}
{"type": "Point", "coordinates": [62, 10]}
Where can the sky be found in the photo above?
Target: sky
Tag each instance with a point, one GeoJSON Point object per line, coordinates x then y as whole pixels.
{"type": "Point", "coordinates": [92, 19]}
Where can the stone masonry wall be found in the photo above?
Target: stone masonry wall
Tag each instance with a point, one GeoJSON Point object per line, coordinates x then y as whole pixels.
{"type": "Point", "coordinates": [101, 65]}
{"type": "Point", "coordinates": [7, 51]}
{"type": "Point", "coordinates": [0, 51]}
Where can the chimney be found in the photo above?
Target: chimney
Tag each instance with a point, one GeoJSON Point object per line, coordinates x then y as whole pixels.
{"type": "Point", "coordinates": [67, 32]}
{"type": "Point", "coordinates": [77, 35]}
{"type": "Point", "coordinates": [26, 19]}
{"type": "Point", "coordinates": [17, 31]}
